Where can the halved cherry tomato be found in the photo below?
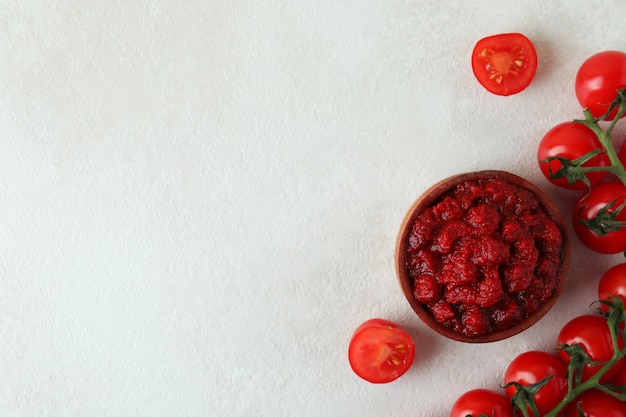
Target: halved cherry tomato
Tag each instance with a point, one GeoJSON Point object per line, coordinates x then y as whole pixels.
{"type": "Point", "coordinates": [482, 402]}
{"type": "Point", "coordinates": [531, 367]}
{"type": "Point", "coordinates": [613, 283]}
{"type": "Point", "coordinates": [504, 64]}
{"type": "Point", "coordinates": [605, 197]}
{"type": "Point", "coordinates": [593, 335]}
{"type": "Point", "coordinates": [570, 140]}
{"type": "Point", "coordinates": [596, 403]}
{"type": "Point", "coordinates": [598, 79]}
{"type": "Point", "coordinates": [380, 351]}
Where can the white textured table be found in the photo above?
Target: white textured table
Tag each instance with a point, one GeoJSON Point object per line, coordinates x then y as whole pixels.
{"type": "Point", "coordinates": [200, 199]}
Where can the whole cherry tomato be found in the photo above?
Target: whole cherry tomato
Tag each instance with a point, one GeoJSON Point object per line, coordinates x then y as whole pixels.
{"type": "Point", "coordinates": [531, 367]}
{"type": "Point", "coordinates": [570, 140]}
{"type": "Point", "coordinates": [504, 64]}
{"type": "Point", "coordinates": [478, 402]}
{"type": "Point", "coordinates": [598, 79]}
{"type": "Point", "coordinates": [596, 403]}
{"type": "Point", "coordinates": [613, 283]}
{"type": "Point", "coordinates": [602, 201]}
{"type": "Point", "coordinates": [380, 351]}
{"type": "Point", "coordinates": [593, 335]}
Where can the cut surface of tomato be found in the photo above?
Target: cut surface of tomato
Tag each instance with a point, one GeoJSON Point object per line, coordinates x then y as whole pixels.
{"type": "Point", "coordinates": [504, 64]}
{"type": "Point", "coordinates": [380, 351]}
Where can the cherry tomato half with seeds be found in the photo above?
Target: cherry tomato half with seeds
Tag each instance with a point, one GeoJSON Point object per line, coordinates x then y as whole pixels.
{"type": "Point", "coordinates": [479, 402]}
{"type": "Point", "coordinates": [504, 64]}
{"type": "Point", "coordinates": [594, 403]}
{"type": "Point", "coordinates": [593, 335]}
{"type": "Point", "coordinates": [531, 367]}
{"type": "Point", "coordinates": [605, 198]}
{"type": "Point", "coordinates": [380, 351]}
{"type": "Point", "coordinates": [570, 140]}
{"type": "Point", "coordinates": [613, 283]}
{"type": "Point", "coordinates": [598, 79]}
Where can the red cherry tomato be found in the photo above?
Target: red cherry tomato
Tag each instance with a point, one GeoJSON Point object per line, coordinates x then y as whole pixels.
{"type": "Point", "coordinates": [588, 207]}
{"type": "Point", "coordinates": [598, 79]}
{"type": "Point", "coordinates": [593, 335]}
{"type": "Point", "coordinates": [380, 351]}
{"type": "Point", "coordinates": [613, 283]}
{"type": "Point", "coordinates": [596, 403]}
{"type": "Point", "coordinates": [570, 140]}
{"type": "Point", "coordinates": [533, 366]}
{"type": "Point", "coordinates": [504, 64]}
{"type": "Point", "coordinates": [480, 402]}
{"type": "Point", "coordinates": [620, 378]}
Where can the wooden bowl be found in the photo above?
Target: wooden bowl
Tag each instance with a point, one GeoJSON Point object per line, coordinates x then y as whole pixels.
{"type": "Point", "coordinates": [431, 197]}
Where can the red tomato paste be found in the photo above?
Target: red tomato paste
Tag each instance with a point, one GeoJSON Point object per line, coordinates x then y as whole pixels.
{"type": "Point", "coordinates": [484, 256]}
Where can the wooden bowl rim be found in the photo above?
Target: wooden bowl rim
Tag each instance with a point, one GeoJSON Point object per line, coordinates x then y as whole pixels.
{"type": "Point", "coordinates": [429, 197]}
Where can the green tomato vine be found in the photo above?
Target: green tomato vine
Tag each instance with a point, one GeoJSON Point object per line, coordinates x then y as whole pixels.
{"type": "Point", "coordinates": [616, 318]}
{"type": "Point", "coordinates": [574, 170]}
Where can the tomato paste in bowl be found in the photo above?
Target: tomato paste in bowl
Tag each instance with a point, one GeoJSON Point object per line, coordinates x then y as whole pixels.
{"type": "Point", "coordinates": [482, 256]}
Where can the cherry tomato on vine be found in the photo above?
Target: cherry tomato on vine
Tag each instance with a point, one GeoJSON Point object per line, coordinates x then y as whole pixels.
{"type": "Point", "coordinates": [596, 403]}
{"type": "Point", "coordinates": [482, 401]}
{"type": "Point", "coordinates": [570, 140]}
{"type": "Point", "coordinates": [504, 64]}
{"type": "Point", "coordinates": [531, 367]}
{"type": "Point", "coordinates": [603, 200]}
{"type": "Point", "coordinates": [613, 283]}
{"type": "Point", "coordinates": [598, 79]}
{"type": "Point", "coordinates": [593, 335]}
{"type": "Point", "coordinates": [380, 351]}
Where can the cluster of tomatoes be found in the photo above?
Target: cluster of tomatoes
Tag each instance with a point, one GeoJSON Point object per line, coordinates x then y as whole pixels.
{"type": "Point", "coordinates": [586, 374]}
{"type": "Point", "coordinates": [380, 351]}
{"type": "Point", "coordinates": [544, 375]}
{"type": "Point", "coordinates": [581, 155]}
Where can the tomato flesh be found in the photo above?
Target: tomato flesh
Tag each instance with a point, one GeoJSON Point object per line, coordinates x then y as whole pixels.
{"type": "Point", "coordinates": [504, 64]}
{"type": "Point", "coordinates": [380, 351]}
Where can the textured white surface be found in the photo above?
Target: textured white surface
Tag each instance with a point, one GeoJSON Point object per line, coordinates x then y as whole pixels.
{"type": "Point", "coordinates": [200, 199]}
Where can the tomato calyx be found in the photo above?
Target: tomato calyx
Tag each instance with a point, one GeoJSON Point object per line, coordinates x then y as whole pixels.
{"type": "Point", "coordinates": [605, 221]}
{"type": "Point", "coordinates": [523, 399]}
{"type": "Point", "coordinates": [578, 359]}
{"type": "Point", "coordinates": [620, 99]}
{"type": "Point", "coordinates": [604, 135]}
{"type": "Point", "coordinates": [573, 170]}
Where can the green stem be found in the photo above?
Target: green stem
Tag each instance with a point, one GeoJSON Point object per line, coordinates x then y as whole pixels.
{"type": "Point", "coordinates": [591, 383]}
{"type": "Point", "coordinates": [615, 319]}
{"type": "Point", "coordinates": [604, 136]}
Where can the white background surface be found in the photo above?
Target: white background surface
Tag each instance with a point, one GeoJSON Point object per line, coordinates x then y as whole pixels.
{"type": "Point", "coordinates": [200, 199]}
